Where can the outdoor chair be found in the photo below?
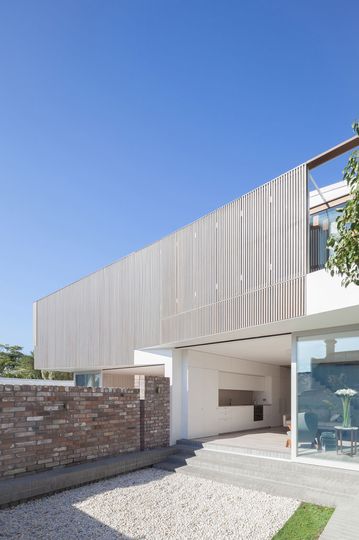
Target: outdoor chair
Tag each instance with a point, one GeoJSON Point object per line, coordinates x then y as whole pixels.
{"type": "Point", "coordinates": [307, 429]}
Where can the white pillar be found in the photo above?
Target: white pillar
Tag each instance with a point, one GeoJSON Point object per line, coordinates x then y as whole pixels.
{"type": "Point", "coordinates": [294, 401]}
{"type": "Point", "coordinates": [176, 369]}
{"type": "Point", "coordinates": [179, 397]}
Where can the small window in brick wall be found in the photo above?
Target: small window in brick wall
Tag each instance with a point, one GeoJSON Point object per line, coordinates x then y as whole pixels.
{"type": "Point", "coordinates": [87, 379]}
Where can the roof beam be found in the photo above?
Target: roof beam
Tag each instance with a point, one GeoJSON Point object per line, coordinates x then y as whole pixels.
{"type": "Point", "coordinates": [333, 152]}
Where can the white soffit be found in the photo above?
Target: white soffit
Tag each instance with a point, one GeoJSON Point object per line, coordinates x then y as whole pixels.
{"type": "Point", "coordinates": [270, 350]}
{"type": "Point", "coordinates": [152, 370]}
{"type": "Point", "coordinates": [329, 193]}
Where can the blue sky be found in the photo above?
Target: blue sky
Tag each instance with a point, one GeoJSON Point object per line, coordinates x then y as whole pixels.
{"type": "Point", "coordinates": [123, 120]}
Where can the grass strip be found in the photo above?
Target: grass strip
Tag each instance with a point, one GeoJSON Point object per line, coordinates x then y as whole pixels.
{"type": "Point", "coordinates": [307, 523]}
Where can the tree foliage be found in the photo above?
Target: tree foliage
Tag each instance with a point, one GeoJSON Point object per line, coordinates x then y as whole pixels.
{"type": "Point", "coordinates": [56, 375]}
{"type": "Point", "coordinates": [344, 258]}
{"type": "Point", "coordinates": [14, 363]}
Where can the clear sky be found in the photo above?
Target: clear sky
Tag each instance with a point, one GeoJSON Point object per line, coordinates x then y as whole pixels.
{"type": "Point", "coordinates": [122, 120]}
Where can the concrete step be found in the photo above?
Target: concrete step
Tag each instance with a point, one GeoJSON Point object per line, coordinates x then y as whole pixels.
{"type": "Point", "coordinates": [304, 479]}
{"type": "Point", "coordinates": [330, 484]}
{"type": "Point", "coordinates": [220, 454]}
{"type": "Point", "coordinates": [189, 443]}
{"type": "Point", "coordinates": [248, 451]}
{"type": "Point", "coordinates": [185, 444]}
{"type": "Point", "coordinates": [183, 450]}
{"type": "Point", "coordinates": [271, 468]}
{"type": "Point", "coordinates": [273, 487]}
{"type": "Point", "coordinates": [166, 466]}
{"type": "Point", "coordinates": [284, 465]}
{"type": "Point", "coordinates": [176, 460]}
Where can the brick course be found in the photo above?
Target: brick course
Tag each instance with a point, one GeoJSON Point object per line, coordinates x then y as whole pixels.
{"type": "Point", "coordinates": [42, 427]}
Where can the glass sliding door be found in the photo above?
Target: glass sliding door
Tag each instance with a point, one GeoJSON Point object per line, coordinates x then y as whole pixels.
{"type": "Point", "coordinates": [328, 396]}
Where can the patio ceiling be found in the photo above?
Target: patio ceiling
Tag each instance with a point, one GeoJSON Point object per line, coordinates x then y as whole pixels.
{"type": "Point", "coordinates": [270, 350]}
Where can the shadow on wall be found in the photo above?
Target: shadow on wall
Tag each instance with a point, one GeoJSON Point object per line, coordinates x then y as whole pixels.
{"type": "Point", "coordinates": [69, 514]}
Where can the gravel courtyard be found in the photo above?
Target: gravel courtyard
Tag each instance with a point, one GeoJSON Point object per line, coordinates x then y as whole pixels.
{"type": "Point", "coordinates": [150, 504]}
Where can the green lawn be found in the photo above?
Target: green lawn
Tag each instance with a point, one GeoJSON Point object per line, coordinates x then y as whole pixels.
{"type": "Point", "coordinates": [306, 523]}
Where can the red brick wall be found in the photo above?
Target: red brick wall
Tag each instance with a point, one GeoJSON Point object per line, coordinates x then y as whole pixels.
{"type": "Point", "coordinates": [155, 410]}
{"type": "Point", "coordinates": [43, 427]}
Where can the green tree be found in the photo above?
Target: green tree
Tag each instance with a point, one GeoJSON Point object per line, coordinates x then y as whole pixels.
{"type": "Point", "coordinates": [14, 363]}
{"type": "Point", "coordinates": [9, 356]}
{"type": "Point", "coordinates": [56, 375]}
{"type": "Point", "coordinates": [344, 258]}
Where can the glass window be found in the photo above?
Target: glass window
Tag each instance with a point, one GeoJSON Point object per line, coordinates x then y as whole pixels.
{"type": "Point", "coordinates": [322, 225]}
{"type": "Point", "coordinates": [87, 379]}
{"type": "Point", "coordinates": [328, 396]}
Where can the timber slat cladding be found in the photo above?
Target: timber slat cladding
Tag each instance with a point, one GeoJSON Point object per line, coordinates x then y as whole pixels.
{"type": "Point", "coordinates": [250, 258]}
{"type": "Point", "coordinates": [239, 266]}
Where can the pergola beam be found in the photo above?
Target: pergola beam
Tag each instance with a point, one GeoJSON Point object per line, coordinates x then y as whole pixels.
{"type": "Point", "coordinates": [333, 152]}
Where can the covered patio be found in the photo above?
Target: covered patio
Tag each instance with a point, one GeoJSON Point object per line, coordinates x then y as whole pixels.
{"type": "Point", "coordinates": [265, 442]}
{"type": "Point", "coordinates": [238, 393]}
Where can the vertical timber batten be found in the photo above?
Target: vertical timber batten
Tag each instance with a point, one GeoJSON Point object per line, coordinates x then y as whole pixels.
{"type": "Point", "coordinates": [254, 264]}
{"type": "Point", "coordinates": [242, 265]}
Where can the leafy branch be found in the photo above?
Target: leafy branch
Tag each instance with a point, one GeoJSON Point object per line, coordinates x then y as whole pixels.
{"type": "Point", "coordinates": [344, 258]}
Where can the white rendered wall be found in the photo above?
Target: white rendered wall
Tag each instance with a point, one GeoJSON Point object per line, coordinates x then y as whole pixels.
{"type": "Point", "coordinates": [232, 381]}
{"type": "Point", "coordinates": [205, 370]}
{"type": "Point", "coordinates": [325, 293]}
{"type": "Point", "coordinates": [154, 357]}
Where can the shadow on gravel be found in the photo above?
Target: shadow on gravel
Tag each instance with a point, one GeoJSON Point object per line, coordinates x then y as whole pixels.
{"type": "Point", "coordinates": [56, 517]}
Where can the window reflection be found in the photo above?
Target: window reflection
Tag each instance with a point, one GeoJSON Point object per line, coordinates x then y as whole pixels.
{"type": "Point", "coordinates": [322, 225]}
{"type": "Point", "coordinates": [87, 379]}
{"type": "Point", "coordinates": [327, 423]}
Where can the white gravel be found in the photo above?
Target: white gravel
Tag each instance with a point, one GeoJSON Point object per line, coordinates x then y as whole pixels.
{"type": "Point", "coordinates": [153, 505]}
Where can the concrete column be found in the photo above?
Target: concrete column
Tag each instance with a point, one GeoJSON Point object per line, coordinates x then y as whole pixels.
{"type": "Point", "coordinates": [179, 397]}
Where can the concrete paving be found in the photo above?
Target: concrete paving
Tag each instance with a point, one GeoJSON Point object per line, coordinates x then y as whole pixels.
{"type": "Point", "coordinates": [269, 442]}
{"type": "Point", "coordinates": [344, 524]}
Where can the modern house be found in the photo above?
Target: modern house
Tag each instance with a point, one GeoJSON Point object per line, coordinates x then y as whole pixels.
{"type": "Point", "coordinates": [237, 309]}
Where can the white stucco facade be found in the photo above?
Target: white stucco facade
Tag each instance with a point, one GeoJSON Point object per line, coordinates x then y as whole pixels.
{"type": "Point", "coordinates": [325, 293]}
